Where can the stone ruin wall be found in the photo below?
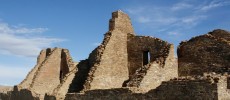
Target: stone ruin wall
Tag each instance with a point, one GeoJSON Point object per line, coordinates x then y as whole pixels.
{"type": "Point", "coordinates": [114, 59]}
{"type": "Point", "coordinates": [137, 45]}
{"type": "Point", "coordinates": [212, 86]}
{"type": "Point", "coordinates": [171, 90]}
{"type": "Point", "coordinates": [161, 66]}
{"type": "Point", "coordinates": [99, 64]}
{"type": "Point", "coordinates": [118, 45]}
{"type": "Point", "coordinates": [205, 53]}
{"type": "Point", "coordinates": [45, 76]}
{"type": "Point", "coordinates": [28, 80]}
{"type": "Point", "coordinates": [207, 87]}
{"type": "Point", "coordinates": [93, 72]}
{"type": "Point", "coordinates": [68, 70]}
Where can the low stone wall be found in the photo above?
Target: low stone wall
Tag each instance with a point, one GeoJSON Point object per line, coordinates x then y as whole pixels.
{"type": "Point", "coordinates": [4, 96]}
{"type": "Point", "coordinates": [23, 94]}
{"type": "Point", "coordinates": [184, 88]}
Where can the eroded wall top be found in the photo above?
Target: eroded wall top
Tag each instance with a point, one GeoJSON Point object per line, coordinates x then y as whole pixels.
{"type": "Point", "coordinates": [120, 21]}
{"type": "Point", "coordinates": [205, 53]}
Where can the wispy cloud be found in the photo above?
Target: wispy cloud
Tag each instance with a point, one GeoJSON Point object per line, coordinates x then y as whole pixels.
{"type": "Point", "coordinates": [5, 28]}
{"type": "Point", "coordinates": [192, 20]}
{"type": "Point", "coordinates": [176, 21]}
{"type": "Point", "coordinates": [181, 6]}
{"type": "Point", "coordinates": [23, 41]}
{"type": "Point", "coordinates": [177, 17]}
{"type": "Point", "coordinates": [165, 18]}
{"type": "Point", "coordinates": [214, 4]}
{"type": "Point", "coordinates": [152, 16]}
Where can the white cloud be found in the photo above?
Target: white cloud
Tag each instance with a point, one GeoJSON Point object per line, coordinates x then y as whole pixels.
{"type": "Point", "coordinates": [181, 6]}
{"type": "Point", "coordinates": [5, 28]}
{"type": "Point", "coordinates": [180, 16]}
{"type": "Point", "coordinates": [214, 4]}
{"type": "Point", "coordinates": [16, 41]}
{"type": "Point", "coordinates": [192, 20]}
{"type": "Point", "coordinates": [149, 15]}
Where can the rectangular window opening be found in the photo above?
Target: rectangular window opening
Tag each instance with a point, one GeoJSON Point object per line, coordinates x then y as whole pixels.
{"type": "Point", "coordinates": [146, 57]}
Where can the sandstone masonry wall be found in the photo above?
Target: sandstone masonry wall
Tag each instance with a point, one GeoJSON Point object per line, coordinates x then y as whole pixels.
{"type": "Point", "coordinates": [162, 65]}
{"type": "Point", "coordinates": [137, 45]}
{"type": "Point", "coordinates": [111, 56]}
{"type": "Point", "coordinates": [47, 76]}
{"type": "Point", "coordinates": [16, 94]}
{"type": "Point", "coordinates": [205, 53]}
{"type": "Point", "coordinates": [81, 75]}
{"type": "Point", "coordinates": [156, 73]}
{"type": "Point", "coordinates": [68, 70]}
{"type": "Point", "coordinates": [28, 80]}
{"type": "Point", "coordinates": [52, 67]}
{"type": "Point", "coordinates": [177, 89]}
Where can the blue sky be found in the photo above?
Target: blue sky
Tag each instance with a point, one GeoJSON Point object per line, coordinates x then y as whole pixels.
{"type": "Point", "coordinates": [27, 26]}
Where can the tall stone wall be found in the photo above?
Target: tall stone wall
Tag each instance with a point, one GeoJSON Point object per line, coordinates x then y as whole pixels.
{"type": "Point", "coordinates": [47, 76]}
{"type": "Point", "coordinates": [67, 73]}
{"type": "Point", "coordinates": [205, 53]}
{"type": "Point", "coordinates": [113, 63]}
{"type": "Point", "coordinates": [113, 58]}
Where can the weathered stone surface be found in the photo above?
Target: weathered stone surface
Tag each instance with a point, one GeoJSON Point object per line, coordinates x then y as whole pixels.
{"type": "Point", "coordinates": [4, 89]}
{"type": "Point", "coordinates": [16, 94]}
{"type": "Point", "coordinates": [203, 88]}
{"type": "Point", "coordinates": [161, 66]}
{"type": "Point", "coordinates": [47, 76]}
{"type": "Point", "coordinates": [28, 80]}
{"type": "Point", "coordinates": [205, 53]}
{"type": "Point", "coordinates": [120, 21]}
{"type": "Point", "coordinates": [110, 58]}
{"type": "Point", "coordinates": [182, 88]}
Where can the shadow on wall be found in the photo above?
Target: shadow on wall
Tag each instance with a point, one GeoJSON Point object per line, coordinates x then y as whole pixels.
{"type": "Point", "coordinates": [81, 75]}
